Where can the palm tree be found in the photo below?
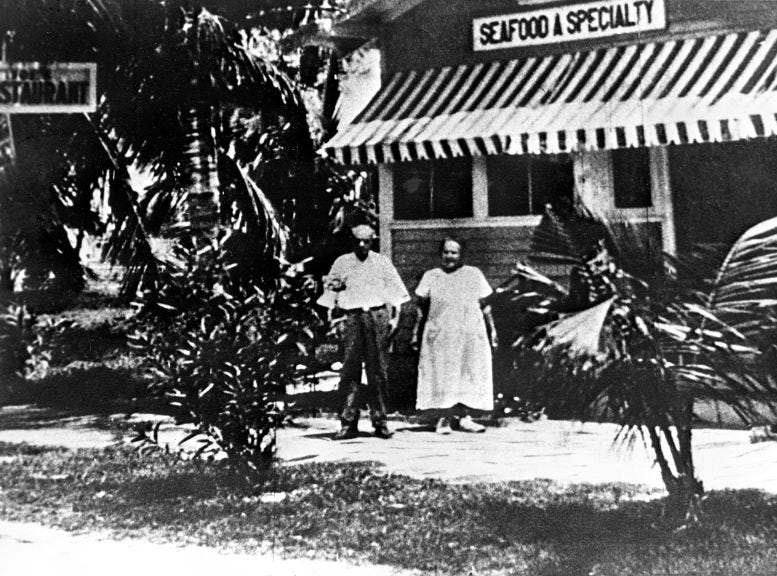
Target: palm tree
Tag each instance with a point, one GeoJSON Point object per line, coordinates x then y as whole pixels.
{"type": "Point", "coordinates": [183, 101]}
{"type": "Point", "coordinates": [639, 337]}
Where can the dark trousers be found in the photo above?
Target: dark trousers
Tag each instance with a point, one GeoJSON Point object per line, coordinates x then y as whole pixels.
{"type": "Point", "coordinates": [365, 339]}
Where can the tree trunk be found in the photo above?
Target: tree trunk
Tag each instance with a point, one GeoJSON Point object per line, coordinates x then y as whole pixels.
{"type": "Point", "coordinates": [202, 183]}
{"type": "Point", "coordinates": [679, 476]}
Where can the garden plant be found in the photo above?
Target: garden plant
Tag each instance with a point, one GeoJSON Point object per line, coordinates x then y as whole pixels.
{"type": "Point", "coordinates": [221, 348]}
{"type": "Point", "coordinates": [640, 336]}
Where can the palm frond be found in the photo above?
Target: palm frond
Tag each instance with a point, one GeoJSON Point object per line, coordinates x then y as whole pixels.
{"type": "Point", "coordinates": [747, 279]}
{"type": "Point", "coordinates": [567, 234]}
{"type": "Point", "coordinates": [637, 248]}
{"type": "Point", "coordinates": [263, 239]}
{"type": "Point", "coordinates": [580, 333]}
{"type": "Point", "coordinates": [523, 278]}
{"type": "Point", "coordinates": [129, 243]}
{"type": "Point", "coordinates": [552, 240]}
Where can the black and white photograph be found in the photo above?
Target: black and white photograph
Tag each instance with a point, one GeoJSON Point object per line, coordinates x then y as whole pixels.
{"type": "Point", "coordinates": [388, 287]}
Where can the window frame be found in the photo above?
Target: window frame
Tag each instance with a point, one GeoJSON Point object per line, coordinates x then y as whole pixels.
{"type": "Point", "coordinates": [635, 211]}
{"type": "Point", "coordinates": [480, 217]}
{"type": "Point", "coordinates": [470, 162]}
{"type": "Point", "coordinates": [592, 179]}
{"type": "Point", "coordinates": [533, 174]}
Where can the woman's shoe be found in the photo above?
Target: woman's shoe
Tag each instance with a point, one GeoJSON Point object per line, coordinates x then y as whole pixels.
{"type": "Point", "coordinates": [467, 424]}
{"type": "Point", "coordinates": [443, 426]}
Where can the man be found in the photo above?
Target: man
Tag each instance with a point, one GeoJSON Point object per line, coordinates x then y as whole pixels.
{"type": "Point", "coordinates": [366, 287]}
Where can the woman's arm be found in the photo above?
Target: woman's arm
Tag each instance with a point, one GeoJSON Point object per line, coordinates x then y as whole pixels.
{"type": "Point", "coordinates": [489, 318]}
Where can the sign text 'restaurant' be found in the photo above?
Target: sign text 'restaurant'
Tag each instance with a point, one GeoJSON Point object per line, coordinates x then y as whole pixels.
{"type": "Point", "coordinates": [35, 88]}
{"type": "Point", "coordinates": [568, 23]}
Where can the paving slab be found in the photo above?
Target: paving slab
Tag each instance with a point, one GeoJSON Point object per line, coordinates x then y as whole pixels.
{"type": "Point", "coordinates": [562, 451]}
{"type": "Point", "coordinates": [565, 452]}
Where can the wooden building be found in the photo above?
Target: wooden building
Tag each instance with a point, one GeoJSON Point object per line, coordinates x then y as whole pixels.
{"type": "Point", "coordinates": [659, 111]}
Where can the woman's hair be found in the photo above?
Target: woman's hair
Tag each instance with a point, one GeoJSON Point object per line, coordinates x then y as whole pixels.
{"type": "Point", "coordinates": [462, 246]}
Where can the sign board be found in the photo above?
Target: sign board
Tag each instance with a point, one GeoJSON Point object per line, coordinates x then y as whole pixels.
{"type": "Point", "coordinates": [568, 23]}
{"type": "Point", "coordinates": [36, 88]}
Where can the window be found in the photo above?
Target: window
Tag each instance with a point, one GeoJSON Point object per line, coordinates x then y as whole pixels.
{"type": "Point", "coordinates": [631, 177]}
{"type": "Point", "coordinates": [436, 189]}
{"type": "Point", "coordinates": [523, 185]}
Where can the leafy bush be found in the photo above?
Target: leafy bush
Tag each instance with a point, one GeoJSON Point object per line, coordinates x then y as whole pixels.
{"type": "Point", "coordinates": [222, 349]}
{"type": "Point", "coordinates": [638, 338]}
{"type": "Point", "coordinates": [16, 336]}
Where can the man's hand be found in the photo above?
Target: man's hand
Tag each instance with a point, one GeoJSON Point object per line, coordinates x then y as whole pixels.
{"type": "Point", "coordinates": [336, 323]}
{"type": "Point", "coordinates": [415, 342]}
{"type": "Point", "coordinates": [393, 324]}
{"type": "Point", "coordinates": [334, 283]}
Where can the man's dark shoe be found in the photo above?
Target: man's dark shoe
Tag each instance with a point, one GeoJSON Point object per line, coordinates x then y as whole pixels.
{"type": "Point", "coordinates": [346, 433]}
{"type": "Point", "coordinates": [382, 431]}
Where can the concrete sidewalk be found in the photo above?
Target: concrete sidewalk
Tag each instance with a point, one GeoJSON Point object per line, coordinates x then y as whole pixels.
{"type": "Point", "coordinates": [565, 452]}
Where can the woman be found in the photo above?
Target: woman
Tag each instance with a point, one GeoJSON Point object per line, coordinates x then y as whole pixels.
{"type": "Point", "coordinates": [454, 368]}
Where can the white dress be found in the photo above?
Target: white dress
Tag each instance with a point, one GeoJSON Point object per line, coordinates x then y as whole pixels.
{"type": "Point", "coordinates": [455, 362]}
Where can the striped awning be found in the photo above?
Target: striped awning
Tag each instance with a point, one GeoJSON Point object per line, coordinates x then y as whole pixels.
{"type": "Point", "coordinates": [709, 89]}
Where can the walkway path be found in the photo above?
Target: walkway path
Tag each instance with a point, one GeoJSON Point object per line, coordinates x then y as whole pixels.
{"type": "Point", "coordinates": [565, 452]}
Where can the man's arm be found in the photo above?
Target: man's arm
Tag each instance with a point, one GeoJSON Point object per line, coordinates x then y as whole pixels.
{"type": "Point", "coordinates": [394, 310]}
{"type": "Point", "coordinates": [421, 311]}
{"type": "Point", "coordinates": [396, 293]}
{"type": "Point", "coordinates": [333, 283]}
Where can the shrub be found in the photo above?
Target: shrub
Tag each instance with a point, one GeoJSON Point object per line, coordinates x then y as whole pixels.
{"type": "Point", "coordinates": [639, 338]}
{"type": "Point", "coordinates": [222, 349]}
{"type": "Point", "coordinates": [16, 336]}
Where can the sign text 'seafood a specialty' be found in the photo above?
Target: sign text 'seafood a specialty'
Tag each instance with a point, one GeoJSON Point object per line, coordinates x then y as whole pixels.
{"type": "Point", "coordinates": [568, 23]}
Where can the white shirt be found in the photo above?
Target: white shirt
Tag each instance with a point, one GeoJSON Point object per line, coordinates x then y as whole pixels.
{"type": "Point", "coordinates": [368, 283]}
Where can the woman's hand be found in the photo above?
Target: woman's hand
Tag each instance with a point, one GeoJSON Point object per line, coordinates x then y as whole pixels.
{"type": "Point", "coordinates": [489, 318]}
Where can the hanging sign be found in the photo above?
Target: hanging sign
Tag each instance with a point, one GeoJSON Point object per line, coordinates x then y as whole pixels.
{"type": "Point", "coordinates": [568, 23]}
{"type": "Point", "coordinates": [36, 88]}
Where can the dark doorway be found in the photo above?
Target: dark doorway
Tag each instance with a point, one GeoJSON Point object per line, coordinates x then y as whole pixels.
{"type": "Point", "coordinates": [720, 190]}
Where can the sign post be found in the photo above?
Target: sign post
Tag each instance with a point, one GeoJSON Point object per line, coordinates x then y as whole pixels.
{"type": "Point", "coordinates": [7, 148]}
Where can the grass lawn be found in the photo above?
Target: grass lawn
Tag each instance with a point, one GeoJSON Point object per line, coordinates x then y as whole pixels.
{"type": "Point", "coordinates": [353, 511]}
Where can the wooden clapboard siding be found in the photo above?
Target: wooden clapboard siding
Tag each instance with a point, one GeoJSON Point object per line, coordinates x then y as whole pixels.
{"type": "Point", "coordinates": [493, 250]}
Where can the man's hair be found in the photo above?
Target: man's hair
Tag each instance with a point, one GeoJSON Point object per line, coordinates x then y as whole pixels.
{"type": "Point", "coordinates": [362, 228]}
{"type": "Point", "coordinates": [462, 245]}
